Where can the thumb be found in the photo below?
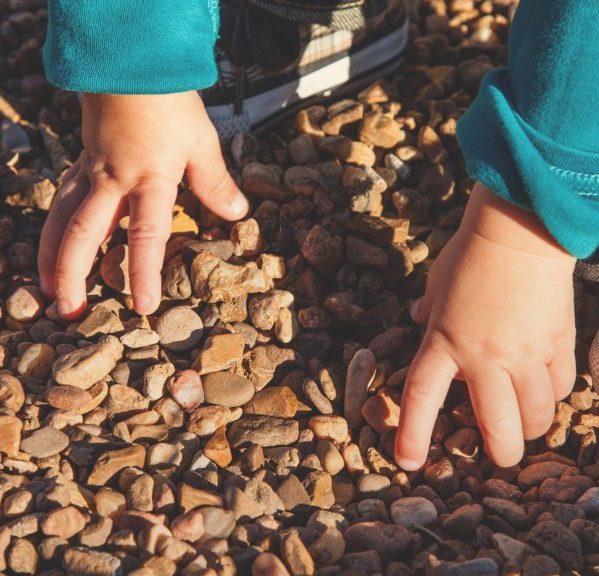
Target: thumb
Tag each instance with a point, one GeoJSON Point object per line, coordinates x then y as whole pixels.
{"type": "Point", "coordinates": [210, 180]}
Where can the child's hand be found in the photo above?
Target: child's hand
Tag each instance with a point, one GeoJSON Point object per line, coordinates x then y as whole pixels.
{"type": "Point", "coordinates": [500, 314]}
{"type": "Point", "coordinates": [136, 151]}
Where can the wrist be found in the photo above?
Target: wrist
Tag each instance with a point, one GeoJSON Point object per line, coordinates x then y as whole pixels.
{"type": "Point", "coordinates": [501, 222]}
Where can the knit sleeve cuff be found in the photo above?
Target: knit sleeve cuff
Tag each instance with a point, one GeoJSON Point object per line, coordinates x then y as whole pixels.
{"type": "Point", "coordinates": [124, 47]}
{"type": "Point", "coordinates": [523, 166]}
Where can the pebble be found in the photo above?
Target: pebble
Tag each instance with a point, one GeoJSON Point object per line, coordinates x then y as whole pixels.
{"type": "Point", "coordinates": [12, 395]}
{"type": "Point", "coordinates": [68, 397]}
{"type": "Point", "coordinates": [360, 374]}
{"type": "Point", "coordinates": [82, 561]}
{"type": "Point", "coordinates": [45, 442]}
{"type": "Point", "coordinates": [10, 439]}
{"type": "Point", "coordinates": [37, 360]}
{"type": "Point", "coordinates": [330, 457]}
{"type": "Point", "coordinates": [413, 511]}
{"type": "Point", "coordinates": [316, 397]}
{"type": "Point", "coordinates": [112, 462]}
{"type": "Point", "coordinates": [139, 338]}
{"type": "Point", "coordinates": [279, 401]}
{"type": "Point", "coordinates": [296, 555]}
{"type": "Point", "coordinates": [218, 523]}
{"type": "Point", "coordinates": [84, 367]}
{"type": "Point", "coordinates": [25, 304]}
{"type": "Point", "coordinates": [331, 427]}
{"type": "Point", "coordinates": [189, 526]}
{"type": "Point", "coordinates": [227, 389]}
{"type": "Point", "coordinates": [264, 431]}
{"type": "Point", "coordinates": [114, 269]}
{"type": "Point", "coordinates": [557, 541]}
{"type": "Point", "coordinates": [372, 483]}
{"type": "Point", "coordinates": [205, 420]}
{"type": "Point", "coordinates": [63, 522]}
{"type": "Point", "coordinates": [390, 541]}
{"type": "Point", "coordinates": [463, 521]}
{"type": "Point", "coordinates": [179, 329]}
{"type": "Point", "coordinates": [220, 352]}
{"type": "Point", "coordinates": [186, 388]}
{"type": "Point", "coordinates": [22, 557]}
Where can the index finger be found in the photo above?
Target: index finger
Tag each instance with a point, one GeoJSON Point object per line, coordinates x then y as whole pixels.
{"type": "Point", "coordinates": [426, 387]}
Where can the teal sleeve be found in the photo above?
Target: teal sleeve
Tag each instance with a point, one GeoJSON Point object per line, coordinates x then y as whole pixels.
{"type": "Point", "coordinates": [131, 47]}
{"type": "Point", "coordinates": [532, 133]}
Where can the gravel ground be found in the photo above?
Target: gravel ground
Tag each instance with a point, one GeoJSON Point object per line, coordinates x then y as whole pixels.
{"type": "Point", "coordinates": [247, 426]}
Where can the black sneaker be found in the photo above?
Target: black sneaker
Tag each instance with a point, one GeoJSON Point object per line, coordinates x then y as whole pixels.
{"type": "Point", "coordinates": [274, 55]}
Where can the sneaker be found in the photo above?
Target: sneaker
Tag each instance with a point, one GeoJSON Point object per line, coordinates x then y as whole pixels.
{"type": "Point", "coordinates": [277, 55]}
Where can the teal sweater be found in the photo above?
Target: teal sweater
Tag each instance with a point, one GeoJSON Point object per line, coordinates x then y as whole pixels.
{"type": "Point", "coordinates": [531, 135]}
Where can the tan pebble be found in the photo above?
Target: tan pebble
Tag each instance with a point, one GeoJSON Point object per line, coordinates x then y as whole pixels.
{"type": "Point", "coordinates": [100, 320]}
{"type": "Point", "coordinates": [86, 366]}
{"type": "Point", "coordinates": [360, 374]}
{"type": "Point", "coordinates": [246, 238]}
{"type": "Point", "coordinates": [67, 397]}
{"type": "Point", "coordinates": [25, 304]}
{"type": "Point", "coordinates": [273, 401]}
{"type": "Point", "coordinates": [180, 329]}
{"type": "Point", "coordinates": [217, 448]}
{"type": "Point", "coordinates": [381, 411]}
{"type": "Point", "coordinates": [140, 493]}
{"type": "Point", "coordinates": [331, 427]}
{"type": "Point", "coordinates": [109, 503]}
{"type": "Point", "coordinates": [37, 361]}
{"type": "Point", "coordinates": [463, 443]}
{"type": "Point", "coordinates": [12, 395]}
{"type": "Point", "coordinates": [112, 462]}
{"type": "Point", "coordinates": [114, 269]}
{"type": "Point", "coordinates": [96, 532]}
{"type": "Point", "coordinates": [220, 352]}
{"type": "Point", "coordinates": [296, 555]}
{"type": "Point", "coordinates": [10, 439]}
{"type": "Point", "coordinates": [204, 421]}
{"type": "Point", "coordinates": [330, 457]}
{"type": "Point", "coordinates": [44, 442]}
{"type": "Point", "coordinates": [328, 548]}
{"type": "Point", "coordinates": [186, 388]}
{"type": "Point", "coordinates": [188, 526]}
{"type": "Point", "coordinates": [63, 522]}
{"type": "Point", "coordinates": [22, 557]}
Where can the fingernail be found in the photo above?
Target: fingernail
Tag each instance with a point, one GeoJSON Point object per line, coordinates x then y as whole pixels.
{"type": "Point", "coordinates": [407, 464]}
{"type": "Point", "coordinates": [239, 205]}
{"type": "Point", "coordinates": [143, 304]}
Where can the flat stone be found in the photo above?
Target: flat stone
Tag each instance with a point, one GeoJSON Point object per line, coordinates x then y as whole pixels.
{"type": "Point", "coordinates": [111, 463]}
{"type": "Point", "coordinates": [180, 329]}
{"type": "Point", "coordinates": [217, 448]}
{"type": "Point", "coordinates": [413, 511]}
{"type": "Point", "coordinates": [123, 400]}
{"type": "Point", "coordinates": [68, 397]}
{"type": "Point", "coordinates": [45, 442]}
{"type": "Point", "coordinates": [10, 439]}
{"type": "Point", "coordinates": [100, 320]}
{"type": "Point", "coordinates": [140, 338]}
{"type": "Point", "coordinates": [84, 367]}
{"type": "Point", "coordinates": [218, 523]}
{"type": "Point", "coordinates": [63, 522]}
{"type": "Point", "coordinates": [37, 360]}
{"type": "Point", "coordinates": [389, 540]}
{"type": "Point", "coordinates": [85, 562]}
{"type": "Point", "coordinates": [329, 427]}
{"type": "Point", "coordinates": [292, 493]}
{"type": "Point", "coordinates": [277, 401]}
{"type": "Point", "coordinates": [264, 431]}
{"type": "Point", "coordinates": [227, 389]}
{"type": "Point", "coordinates": [220, 352]}
{"type": "Point", "coordinates": [360, 374]}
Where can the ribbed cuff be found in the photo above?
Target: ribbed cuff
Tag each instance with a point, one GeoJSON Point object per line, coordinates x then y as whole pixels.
{"type": "Point", "coordinates": [124, 47]}
{"type": "Point", "coordinates": [521, 165]}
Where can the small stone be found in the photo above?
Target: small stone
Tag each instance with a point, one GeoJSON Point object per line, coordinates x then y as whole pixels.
{"type": "Point", "coordinates": [262, 181]}
{"type": "Point", "coordinates": [22, 557]}
{"type": "Point", "coordinates": [84, 562]}
{"type": "Point", "coordinates": [84, 367]}
{"type": "Point", "coordinates": [96, 533]}
{"type": "Point", "coordinates": [296, 555]}
{"type": "Point", "coordinates": [476, 567]}
{"type": "Point", "coordinates": [264, 309]}
{"type": "Point", "coordinates": [140, 338]}
{"type": "Point", "coordinates": [463, 443]}
{"type": "Point", "coordinates": [360, 374]}
{"type": "Point", "coordinates": [378, 129]}
{"type": "Point", "coordinates": [267, 564]}
{"type": "Point", "coordinates": [330, 457]}
{"type": "Point", "coordinates": [390, 541]}
{"type": "Point", "coordinates": [589, 502]}
{"type": "Point", "coordinates": [205, 420]}
{"type": "Point", "coordinates": [189, 526]}
{"type": "Point", "coordinates": [124, 400]}
{"type": "Point", "coordinates": [101, 320]}
{"type": "Point", "coordinates": [558, 541]}
{"type": "Point", "coordinates": [246, 238]}
{"type": "Point", "coordinates": [185, 387]}
{"type": "Point", "coordinates": [155, 378]}
{"type": "Point", "coordinates": [302, 150]}
{"type": "Point", "coordinates": [511, 549]}
{"type": "Point", "coordinates": [140, 493]}
{"type": "Point", "coordinates": [180, 329]}
{"type": "Point", "coordinates": [292, 493]}
{"type": "Point", "coordinates": [10, 439]}
{"type": "Point", "coordinates": [347, 150]}
{"type": "Point", "coordinates": [109, 503]}
{"type": "Point", "coordinates": [45, 442]}
{"type": "Point", "coordinates": [226, 389]}
{"type": "Point", "coordinates": [430, 143]}
{"type": "Point", "coordinates": [413, 511]}
{"type": "Point", "coordinates": [63, 522]}
{"type": "Point", "coordinates": [541, 565]}
{"type": "Point", "coordinates": [341, 114]}
{"type": "Point", "coordinates": [217, 448]}
{"type": "Point", "coordinates": [218, 523]}
{"type": "Point", "coordinates": [331, 427]}
{"type": "Point", "coordinates": [323, 251]}
{"type": "Point", "coordinates": [364, 253]}
{"type": "Point", "coordinates": [25, 304]}
{"type": "Point", "coordinates": [176, 282]}
{"type": "Point", "coordinates": [37, 361]}
{"type": "Point", "coordinates": [279, 401]}
{"type": "Point", "coordinates": [220, 352]}
{"type": "Point", "coordinates": [463, 521]}
{"type": "Point", "coordinates": [264, 431]}
{"type": "Point", "coordinates": [114, 269]}
{"type": "Point", "coordinates": [68, 397]}
{"type": "Point", "coordinates": [381, 411]}
{"type": "Point", "coordinates": [12, 395]}
{"type": "Point", "coordinates": [316, 397]}
{"type": "Point", "coordinates": [112, 462]}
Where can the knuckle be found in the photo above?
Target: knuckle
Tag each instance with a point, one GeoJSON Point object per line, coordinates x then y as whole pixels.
{"type": "Point", "coordinates": [143, 231]}
{"type": "Point", "coordinates": [80, 229]}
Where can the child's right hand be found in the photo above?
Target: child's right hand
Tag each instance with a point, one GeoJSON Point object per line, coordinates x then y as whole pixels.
{"type": "Point", "coordinates": [499, 309]}
{"type": "Point", "coordinates": [136, 150]}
